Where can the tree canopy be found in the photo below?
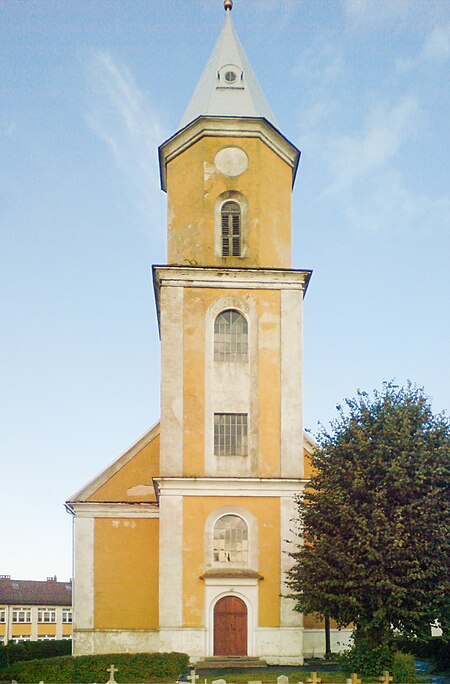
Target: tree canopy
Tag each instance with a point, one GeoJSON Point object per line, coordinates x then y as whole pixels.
{"type": "Point", "coordinates": [374, 520]}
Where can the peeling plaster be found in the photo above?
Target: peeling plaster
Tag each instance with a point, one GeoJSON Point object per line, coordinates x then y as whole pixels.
{"type": "Point", "coordinates": [140, 490]}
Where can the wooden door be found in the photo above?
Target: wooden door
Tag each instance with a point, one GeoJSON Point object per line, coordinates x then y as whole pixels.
{"type": "Point", "coordinates": [230, 627]}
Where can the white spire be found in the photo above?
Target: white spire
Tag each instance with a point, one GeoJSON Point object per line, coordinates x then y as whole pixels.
{"type": "Point", "coordinates": [228, 85]}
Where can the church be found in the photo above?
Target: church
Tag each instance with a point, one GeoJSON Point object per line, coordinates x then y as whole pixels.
{"type": "Point", "coordinates": [182, 543]}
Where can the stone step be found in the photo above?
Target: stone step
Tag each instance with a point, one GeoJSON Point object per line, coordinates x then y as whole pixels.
{"type": "Point", "coordinates": [229, 662]}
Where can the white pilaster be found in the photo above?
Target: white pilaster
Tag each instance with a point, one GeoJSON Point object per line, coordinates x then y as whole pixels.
{"type": "Point", "coordinates": [291, 384]}
{"type": "Point", "coordinates": [83, 589]}
{"type": "Point", "coordinates": [170, 561]}
{"type": "Point", "coordinates": [171, 320]}
{"type": "Point", "coordinates": [288, 616]}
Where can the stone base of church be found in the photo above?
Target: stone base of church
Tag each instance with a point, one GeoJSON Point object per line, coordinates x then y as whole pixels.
{"type": "Point", "coordinates": [279, 645]}
{"type": "Point", "coordinates": [314, 641]}
{"type": "Point", "coordinates": [276, 645]}
{"type": "Point", "coordinates": [89, 642]}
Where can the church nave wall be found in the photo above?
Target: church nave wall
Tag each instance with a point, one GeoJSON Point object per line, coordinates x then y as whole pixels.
{"type": "Point", "coordinates": [126, 570]}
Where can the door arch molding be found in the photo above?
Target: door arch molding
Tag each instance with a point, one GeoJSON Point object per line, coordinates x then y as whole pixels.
{"type": "Point", "coordinates": [247, 594]}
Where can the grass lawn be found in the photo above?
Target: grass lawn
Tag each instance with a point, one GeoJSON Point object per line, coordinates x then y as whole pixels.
{"type": "Point", "coordinates": [295, 674]}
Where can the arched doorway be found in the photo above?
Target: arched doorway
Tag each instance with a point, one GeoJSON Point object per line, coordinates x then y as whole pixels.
{"type": "Point", "coordinates": [230, 627]}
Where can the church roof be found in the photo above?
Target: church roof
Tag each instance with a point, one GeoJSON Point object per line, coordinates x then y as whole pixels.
{"type": "Point", "coordinates": [228, 85]}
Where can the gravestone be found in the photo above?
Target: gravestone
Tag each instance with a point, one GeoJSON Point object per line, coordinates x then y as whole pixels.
{"type": "Point", "coordinates": [192, 677]}
{"type": "Point", "coordinates": [282, 679]}
{"type": "Point", "coordinates": [218, 681]}
{"type": "Point", "coordinates": [112, 671]}
{"type": "Point", "coordinates": [314, 679]}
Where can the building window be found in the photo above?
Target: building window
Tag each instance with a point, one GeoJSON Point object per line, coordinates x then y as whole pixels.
{"type": "Point", "coordinates": [230, 434]}
{"type": "Point", "coordinates": [230, 336]}
{"type": "Point", "coordinates": [46, 615]}
{"type": "Point", "coordinates": [2, 615]}
{"type": "Point", "coordinates": [231, 229]}
{"type": "Point", "coordinates": [230, 540]}
{"type": "Point", "coordinates": [17, 638]}
{"type": "Point", "coordinates": [21, 615]}
{"type": "Point", "coordinates": [46, 637]}
{"type": "Point", "coordinates": [67, 615]}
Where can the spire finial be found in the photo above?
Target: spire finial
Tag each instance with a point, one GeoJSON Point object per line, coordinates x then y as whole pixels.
{"type": "Point", "coordinates": [228, 5]}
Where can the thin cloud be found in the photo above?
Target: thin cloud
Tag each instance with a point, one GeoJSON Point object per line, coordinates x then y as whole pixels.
{"type": "Point", "coordinates": [123, 119]}
{"type": "Point", "coordinates": [434, 52]}
{"type": "Point", "coordinates": [376, 145]}
{"type": "Point", "coordinates": [391, 15]}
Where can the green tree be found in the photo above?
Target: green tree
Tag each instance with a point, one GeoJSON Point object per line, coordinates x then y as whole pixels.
{"type": "Point", "coordinates": [374, 520]}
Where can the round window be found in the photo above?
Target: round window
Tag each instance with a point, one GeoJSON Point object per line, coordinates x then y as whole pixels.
{"type": "Point", "coordinates": [230, 76]}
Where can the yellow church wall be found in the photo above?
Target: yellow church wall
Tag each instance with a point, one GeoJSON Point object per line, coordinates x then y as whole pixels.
{"type": "Point", "coordinates": [126, 573]}
{"type": "Point", "coordinates": [193, 186]}
{"type": "Point", "coordinates": [196, 303]}
{"type": "Point", "coordinates": [313, 621]}
{"type": "Point", "coordinates": [137, 472]}
{"type": "Point", "coordinates": [275, 207]}
{"type": "Point", "coordinates": [195, 513]}
{"type": "Point", "coordinates": [268, 306]}
{"type": "Point", "coordinates": [308, 469]}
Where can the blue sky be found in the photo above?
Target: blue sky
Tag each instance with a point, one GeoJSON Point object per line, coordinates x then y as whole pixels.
{"type": "Point", "coordinates": [87, 92]}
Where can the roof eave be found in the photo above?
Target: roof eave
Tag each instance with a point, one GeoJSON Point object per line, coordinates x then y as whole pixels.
{"type": "Point", "coordinates": [227, 126]}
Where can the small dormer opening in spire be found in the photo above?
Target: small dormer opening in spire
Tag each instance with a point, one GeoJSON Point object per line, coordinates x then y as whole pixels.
{"type": "Point", "coordinates": [230, 76]}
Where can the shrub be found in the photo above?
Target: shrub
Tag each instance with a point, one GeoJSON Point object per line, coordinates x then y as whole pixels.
{"type": "Point", "coordinates": [131, 667]}
{"type": "Point", "coordinates": [366, 661]}
{"type": "Point", "coordinates": [403, 668]}
{"type": "Point", "coordinates": [28, 650]}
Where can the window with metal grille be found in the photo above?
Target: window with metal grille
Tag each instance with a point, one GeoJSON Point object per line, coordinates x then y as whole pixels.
{"type": "Point", "coordinates": [230, 434]}
{"type": "Point", "coordinates": [230, 540]}
{"type": "Point", "coordinates": [230, 336]}
{"type": "Point", "coordinates": [231, 229]}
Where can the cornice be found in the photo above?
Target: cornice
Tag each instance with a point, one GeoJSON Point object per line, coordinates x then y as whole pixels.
{"type": "Point", "coordinates": [229, 127]}
{"type": "Point", "coordinates": [232, 486]}
{"type": "Point", "coordinates": [93, 509]}
{"type": "Point", "coordinates": [228, 278]}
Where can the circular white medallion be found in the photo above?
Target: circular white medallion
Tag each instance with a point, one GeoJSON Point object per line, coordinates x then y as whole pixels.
{"type": "Point", "coordinates": [231, 161]}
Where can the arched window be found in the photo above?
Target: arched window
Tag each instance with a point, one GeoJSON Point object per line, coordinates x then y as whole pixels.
{"type": "Point", "coordinates": [231, 229]}
{"type": "Point", "coordinates": [230, 336]}
{"type": "Point", "coordinates": [230, 540]}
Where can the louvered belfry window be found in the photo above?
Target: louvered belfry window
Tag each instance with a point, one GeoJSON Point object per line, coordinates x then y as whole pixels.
{"type": "Point", "coordinates": [231, 229]}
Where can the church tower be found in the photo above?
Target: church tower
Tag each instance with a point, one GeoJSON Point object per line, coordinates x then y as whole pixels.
{"type": "Point", "coordinates": [200, 508]}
